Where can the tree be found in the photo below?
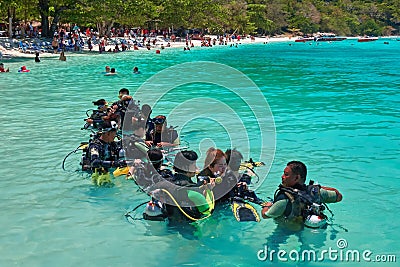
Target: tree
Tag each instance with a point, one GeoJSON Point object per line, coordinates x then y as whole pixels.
{"type": "Point", "coordinates": [257, 13]}
{"type": "Point", "coordinates": [346, 17]}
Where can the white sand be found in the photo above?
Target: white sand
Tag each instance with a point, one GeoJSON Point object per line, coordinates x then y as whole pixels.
{"type": "Point", "coordinates": [11, 53]}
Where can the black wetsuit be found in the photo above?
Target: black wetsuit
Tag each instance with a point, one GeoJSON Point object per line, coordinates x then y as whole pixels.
{"type": "Point", "coordinates": [102, 154]}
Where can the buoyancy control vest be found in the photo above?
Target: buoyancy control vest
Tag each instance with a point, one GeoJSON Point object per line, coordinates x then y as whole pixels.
{"type": "Point", "coordinates": [304, 201]}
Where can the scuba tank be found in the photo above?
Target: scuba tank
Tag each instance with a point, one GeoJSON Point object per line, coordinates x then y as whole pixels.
{"type": "Point", "coordinates": [314, 216]}
{"type": "Point", "coordinates": [306, 204]}
{"type": "Point", "coordinates": [315, 221]}
{"type": "Point", "coordinates": [85, 160]}
{"type": "Point", "coordinates": [155, 211]}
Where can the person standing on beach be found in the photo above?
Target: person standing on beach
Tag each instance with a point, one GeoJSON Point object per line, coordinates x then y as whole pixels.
{"type": "Point", "coordinates": [102, 45]}
{"type": "Point", "coordinates": [90, 46]}
{"type": "Point", "coordinates": [54, 44]}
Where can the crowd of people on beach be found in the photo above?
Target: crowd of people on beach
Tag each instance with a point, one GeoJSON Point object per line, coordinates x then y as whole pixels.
{"type": "Point", "coordinates": [73, 39]}
{"type": "Point", "coordinates": [145, 149]}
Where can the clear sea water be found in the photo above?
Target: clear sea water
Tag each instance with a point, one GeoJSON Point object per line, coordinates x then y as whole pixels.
{"type": "Point", "coordinates": [335, 106]}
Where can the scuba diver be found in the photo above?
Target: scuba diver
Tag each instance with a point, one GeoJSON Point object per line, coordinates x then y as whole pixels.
{"type": "Point", "coordinates": [156, 158]}
{"type": "Point", "coordinates": [296, 204]}
{"type": "Point", "coordinates": [145, 112]}
{"type": "Point", "coordinates": [125, 104]}
{"type": "Point", "coordinates": [161, 135]}
{"type": "Point", "coordinates": [103, 153]}
{"type": "Point", "coordinates": [134, 134]}
{"type": "Point", "coordinates": [97, 115]}
{"type": "Point", "coordinates": [178, 198]}
{"type": "Point", "coordinates": [236, 190]}
{"type": "Point", "coordinates": [238, 182]}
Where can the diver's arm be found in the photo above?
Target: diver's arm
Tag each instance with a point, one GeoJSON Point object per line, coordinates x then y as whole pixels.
{"type": "Point", "coordinates": [274, 210]}
{"type": "Point", "coordinates": [166, 144]}
{"type": "Point", "coordinates": [330, 194]}
{"type": "Point", "coordinates": [177, 142]}
{"type": "Point", "coordinates": [96, 162]}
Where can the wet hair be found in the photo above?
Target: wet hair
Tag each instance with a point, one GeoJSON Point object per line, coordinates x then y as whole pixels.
{"type": "Point", "coordinates": [100, 102]}
{"type": "Point", "coordinates": [212, 156]}
{"type": "Point", "coordinates": [124, 91]}
{"type": "Point", "coordinates": [183, 160]}
{"type": "Point", "coordinates": [112, 70]}
{"type": "Point", "coordinates": [146, 111]}
{"type": "Point", "coordinates": [298, 167]}
{"type": "Point", "coordinates": [109, 125]}
{"type": "Point", "coordinates": [236, 157]}
{"type": "Point", "coordinates": [156, 157]}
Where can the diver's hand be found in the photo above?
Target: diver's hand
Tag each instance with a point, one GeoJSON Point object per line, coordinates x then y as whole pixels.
{"type": "Point", "coordinates": [164, 144]}
{"type": "Point", "coordinates": [212, 182]}
{"type": "Point", "coordinates": [266, 207]}
{"type": "Point", "coordinates": [339, 196]}
{"type": "Point", "coordinates": [242, 184]}
{"type": "Point", "coordinates": [149, 143]}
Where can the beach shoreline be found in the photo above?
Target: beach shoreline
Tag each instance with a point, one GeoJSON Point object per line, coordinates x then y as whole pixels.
{"type": "Point", "coordinates": [14, 53]}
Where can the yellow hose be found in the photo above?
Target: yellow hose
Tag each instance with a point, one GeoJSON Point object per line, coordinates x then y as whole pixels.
{"type": "Point", "coordinates": [180, 208]}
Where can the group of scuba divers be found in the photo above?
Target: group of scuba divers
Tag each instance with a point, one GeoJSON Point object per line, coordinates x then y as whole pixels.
{"type": "Point", "coordinates": [126, 141]}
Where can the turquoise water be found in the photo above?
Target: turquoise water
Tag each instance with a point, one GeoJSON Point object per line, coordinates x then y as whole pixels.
{"type": "Point", "coordinates": [335, 106]}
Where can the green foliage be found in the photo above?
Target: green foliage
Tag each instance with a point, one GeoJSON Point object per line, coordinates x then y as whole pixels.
{"type": "Point", "coordinates": [345, 17]}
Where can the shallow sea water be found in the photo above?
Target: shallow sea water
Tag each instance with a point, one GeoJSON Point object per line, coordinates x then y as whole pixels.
{"type": "Point", "coordinates": [335, 107]}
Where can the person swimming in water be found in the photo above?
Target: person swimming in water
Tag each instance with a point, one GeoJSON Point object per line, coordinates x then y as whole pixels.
{"type": "Point", "coordinates": [2, 69]}
{"type": "Point", "coordinates": [37, 59]}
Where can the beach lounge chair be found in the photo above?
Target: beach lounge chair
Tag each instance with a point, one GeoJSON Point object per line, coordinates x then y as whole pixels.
{"type": "Point", "coordinates": [22, 47]}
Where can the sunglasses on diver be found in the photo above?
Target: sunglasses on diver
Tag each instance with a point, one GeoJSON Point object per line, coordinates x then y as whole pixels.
{"type": "Point", "coordinates": [158, 120]}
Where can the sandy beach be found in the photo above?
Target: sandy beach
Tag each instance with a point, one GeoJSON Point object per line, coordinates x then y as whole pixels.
{"type": "Point", "coordinates": [7, 52]}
